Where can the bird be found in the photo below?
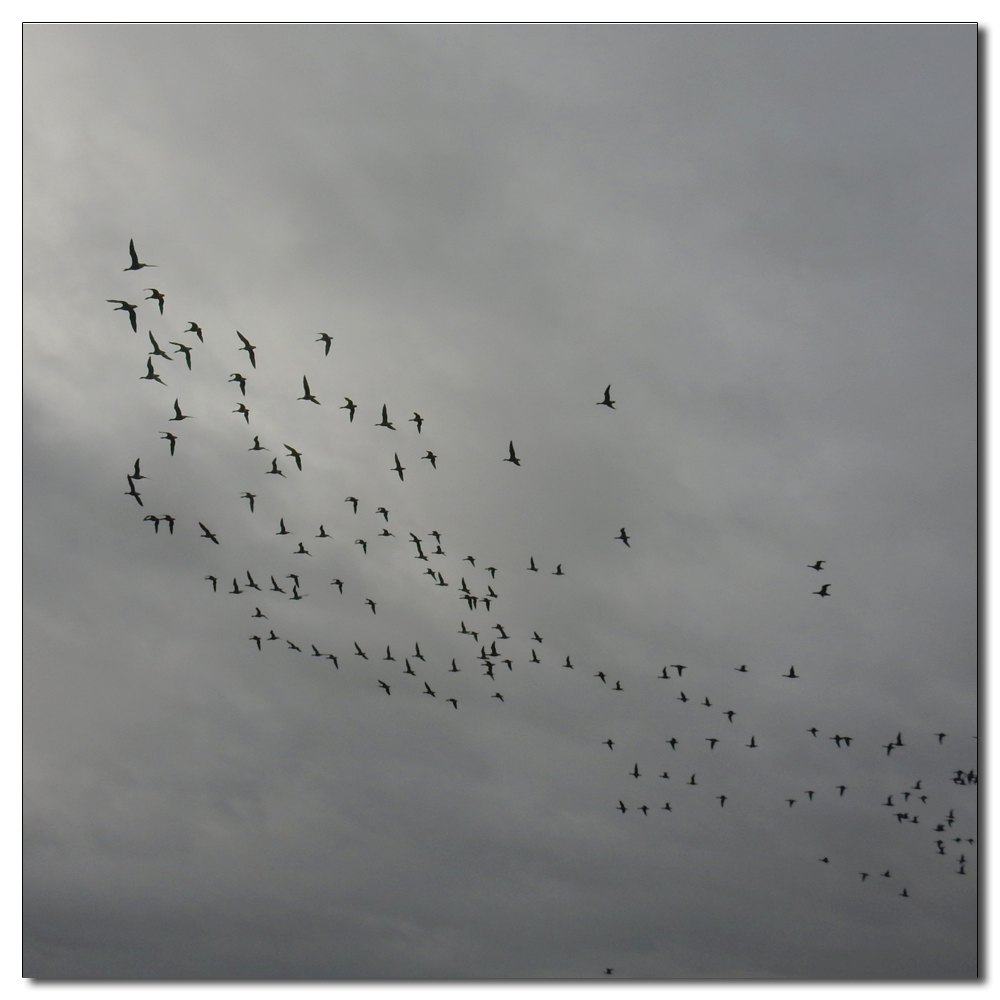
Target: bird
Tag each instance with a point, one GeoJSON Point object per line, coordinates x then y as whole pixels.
{"type": "Point", "coordinates": [417, 655]}
{"type": "Point", "coordinates": [214, 582]}
{"type": "Point", "coordinates": [534, 658]}
{"type": "Point", "coordinates": [825, 861]}
{"type": "Point", "coordinates": [241, 380]}
{"type": "Point", "coordinates": [135, 265]}
{"type": "Point", "coordinates": [600, 673]}
{"type": "Point", "coordinates": [386, 686]}
{"type": "Point", "coordinates": [194, 328]}
{"type": "Point", "coordinates": [398, 469]}
{"type": "Point", "coordinates": [172, 438]}
{"type": "Point", "coordinates": [384, 422]}
{"type": "Point", "coordinates": [644, 810]}
{"type": "Point", "coordinates": [274, 470]}
{"type": "Point", "coordinates": [207, 533]}
{"type": "Point", "coordinates": [837, 738]}
{"type": "Point", "coordinates": [513, 458]}
{"type": "Point", "coordinates": [823, 591]}
{"type": "Point", "coordinates": [256, 639]}
{"type": "Point", "coordinates": [682, 697]}
{"type": "Point", "coordinates": [183, 349]}
{"type": "Point", "coordinates": [275, 587]}
{"type": "Point", "coordinates": [243, 409]}
{"type": "Point", "coordinates": [169, 520]}
{"type": "Point", "coordinates": [249, 496]}
{"type": "Point", "coordinates": [158, 351]}
{"type": "Point", "coordinates": [752, 744]}
{"type": "Point", "coordinates": [905, 893]}
{"type": "Point", "coordinates": [791, 673]}
{"type": "Point", "coordinates": [722, 800]}
{"type": "Point", "coordinates": [351, 407]}
{"type": "Point", "coordinates": [339, 584]}
{"type": "Point", "coordinates": [124, 306]}
{"type": "Point", "coordinates": [741, 669]}
{"type": "Point", "coordinates": [889, 747]}
{"type": "Point", "coordinates": [814, 731]}
{"type": "Point", "coordinates": [531, 565]}
{"type": "Point", "coordinates": [843, 788]}
{"type": "Point", "coordinates": [371, 604]}
{"type": "Point", "coordinates": [416, 419]}
{"type": "Point", "coordinates": [385, 517]}
{"type": "Point", "coordinates": [249, 348]}
{"type": "Point", "coordinates": [297, 455]}
{"type": "Point", "coordinates": [940, 737]}
{"type": "Point", "coordinates": [863, 875]}
{"type": "Point", "coordinates": [151, 375]}
{"type": "Point", "coordinates": [623, 537]}
{"type": "Point", "coordinates": [291, 645]}
{"type": "Point", "coordinates": [691, 780]}
{"type": "Point", "coordinates": [810, 794]}
{"type": "Point", "coordinates": [327, 340]}
{"type": "Point", "coordinates": [433, 459]}
{"type": "Point", "coordinates": [497, 695]}
{"type": "Point", "coordinates": [155, 520]}
{"type": "Point", "coordinates": [618, 686]}
{"type": "Point", "coordinates": [679, 667]}
{"type": "Point", "coordinates": [711, 740]}
{"type": "Point", "coordinates": [791, 802]}
{"type": "Point", "coordinates": [156, 294]}
{"type": "Point", "coordinates": [730, 714]}
{"type": "Point", "coordinates": [257, 446]}
{"type": "Point", "coordinates": [132, 492]}
{"type": "Point", "coordinates": [818, 564]}
{"type": "Point", "coordinates": [177, 412]}
{"type": "Point", "coordinates": [250, 582]}
{"type": "Point", "coordinates": [352, 500]}
{"type": "Point", "coordinates": [667, 807]}
{"type": "Point", "coordinates": [358, 651]}
{"type": "Point", "coordinates": [706, 702]}
{"type": "Point", "coordinates": [635, 771]}
{"type": "Point", "coordinates": [607, 401]}
{"type": "Point", "coordinates": [622, 806]}
{"type": "Point", "coordinates": [307, 395]}
{"type": "Point", "coordinates": [427, 690]}
{"type": "Point", "coordinates": [559, 571]}
{"type": "Point", "coordinates": [363, 544]}
{"type": "Point", "coordinates": [672, 742]}
{"type": "Point", "coordinates": [610, 744]}
{"type": "Point", "coordinates": [322, 533]}
{"type": "Point", "coordinates": [453, 701]}
{"type": "Point", "coordinates": [301, 551]}
{"type": "Point", "coordinates": [316, 652]}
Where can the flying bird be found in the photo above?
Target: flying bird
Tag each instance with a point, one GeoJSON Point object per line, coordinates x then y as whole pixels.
{"type": "Point", "coordinates": [386, 686]}
{"type": "Point", "coordinates": [623, 537]}
{"type": "Point", "coordinates": [352, 500]}
{"type": "Point", "coordinates": [350, 407]}
{"type": "Point", "coordinates": [559, 571]}
{"type": "Point", "coordinates": [622, 806]}
{"type": "Point", "coordinates": [249, 348]}
{"type": "Point", "coordinates": [274, 470]}
{"type": "Point", "coordinates": [384, 422]}
{"type": "Point", "coordinates": [167, 436]}
{"type": "Point", "coordinates": [433, 459]}
{"type": "Point", "coordinates": [242, 409]}
{"type": "Point", "coordinates": [157, 350]}
{"type": "Point", "coordinates": [358, 651]}
{"type": "Point", "coordinates": [297, 455]}
{"type": "Point", "coordinates": [124, 306]}
{"type": "Point", "coordinates": [169, 520]}
{"type": "Point", "coordinates": [135, 265]}
{"type": "Point", "coordinates": [327, 340]}
{"type": "Point", "coordinates": [151, 375]}
{"type": "Point", "coordinates": [308, 396]}
{"type": "Point", "coordinates": [607, 401]}
{"type": "Point", "coordinates": [531, 565]}
{"type": "Point", "coordinates": [249, 496]}
{"type": "Point", "coordinates": [257, 446]}
{"type": "Point", "coordinates": [214, 582]}
{"type": "Point", "coordinates": [339, 584]}
{"type": "Point", "coordinates": [275, 587]}
{"type": "Point", "coordinates": [207, 533]}
{"type": "Point", "coordinates": [398, 469]}
{"type": "Point", "coordinates": [194, 328]}
{"type": "Point", "coordinates": [513, 458]}
{"type": "Point", "coordinates": [131, 492]}
{"type": "Point", "coordinates": [154, 519]}
{"type": "Point", "coordinates": [791, 673]}
{"type": "Point", "coordinates": [156, 294]}
{"type": "Point", "coordinates": [823, 591]}
{"type": "Point", "coordinates": [427, 690]}
{"type": "Point", "coordinates": [241, 379]}
{"type": "Point", "coordinates": [416, 419]}
{"type": "Point", "coordinates": [371, 604]}
{"type": "Point", "coordinates": [363, 544]}
{"type": "Point", "coordinates": [183, 349]}
{"type": "Point", "coordinates": [635, 771]}
{"type": "Point", "coordinates": [177, 412]}
{"type": "Point", "coordinates": [301, 551]}
{"type": "Point", "coordinates": [818, 564]}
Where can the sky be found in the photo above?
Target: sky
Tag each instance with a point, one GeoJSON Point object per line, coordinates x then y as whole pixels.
{"type": "Point", "coordinates": [764, 239]}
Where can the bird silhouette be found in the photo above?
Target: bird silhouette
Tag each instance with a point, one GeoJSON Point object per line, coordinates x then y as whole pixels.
{"type": "Point", "coordinates": [135, 265]}
{"type": "Point", "coordinates": [274, 470]}
{"type": "Point", "coordinates": [398, 469]}
{"type": "Point", "coordinates": [249, 348]}
{"type": "Point", "coordinates": [195, 329]}
{"type": "Point", "coordinates": [182, 349]}
{"type": "Point", "coordinates": [177, 412]}
{"type": "Point", "coordinates": [172, 438]}
{"type": "Point", "coordinates": [327, 340]}
{"type": "Point", "coordinates": [427, 690]}
{"type": "Point", "coordinates": [363, 544]}
{"type": "Point", "coordinates": [157, 350]}
{"type": "Point", "coordinates": [385, 686]}
{"type": "Point", "coordinates": [128, 307]}
{"type": "Point", "coordinates": [371, 604]}
{"type": "Point", "coordinates": [791, 673]}
{"type": "Point", "coordinates": [607, 401]}
{"type": "Point", "coordinates": [513, 458]}
{"type": "Point", "coordinates": [257, 446]}
{"type": "Point", "coordinates": [635, 771]}
{"type": "Point", "coordinates": [350, 407]}
{"type": "Point", "coordinates": [823, 591]}
{"type": "Point", "coordinates": [416, 419]}
{"type": "Point", "coordinates": [384, 422]}
{"type": "Point", "coordinates": [818, 564]}
{"type": "Point", "coordinates": [623, 537]}
{"type": "Point", "coordinates": [152, 376]}
{"type": "Point", "coordinates": [214, 582]}
{"type": "Point", "coordinates": [297, 455]}
{"type": "Point", "coordinates": [432, 458]}
{"type": "Point", "coordinates": [132, 492]}
{"type": "Point", "coordinates": [531, 565]}
{"type": "Point", "coordinates": [307, 395]}
{"type": "Point", "coordinates": [242, 409]}
{"type": "Point", "coordinates": [559, 571]}
{"type": "Point", "coordinates": [339, 584]}
{"type": "Point", "coordinates": [208, 534]}
{"type": "Point", "coordinates": [358, 651]}
{"type": "Point", "coordinates": [282, 530]}
{"type": "Point", "coordinates": [156, 294]}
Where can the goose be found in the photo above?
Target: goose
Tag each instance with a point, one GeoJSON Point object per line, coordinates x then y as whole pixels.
{"type": "Point", "coordinates": [607, 401]}
{"type": "Point", "coordinates": [135, 265]}
{"type": "Point", "coordinates": [242, 382]}
{"type": "Point", "coordinates": [249, 348]}
{"type": "Point", "coordinates": [350, 407]}
{"type": "Point", "coordinates": [195, 329]}
{"type": "Point", "coordinates": [384, 422]}
{"type": "Point", "coordinates": [432, 458]}
{"type": "Point", "coordinates": [183, 349]}
{"type": "Point", "coordinates": [307, 396]}
{"type": "Point", "coordinates": [208, 534]}
{"type": "Point", "coordinates": [124, 306]}
{"type": "Point", "coordinates": [156, 294]}
{"type": "Point", "coordinates": [327, 340]}
{"type": "Point", "coordinates": [823, 591]}
{"type": "Point", "coordinates": [818, 564]}
{"type": "Point", "coordinates": [513, 458]}
{"type": "Point", "coordinates": [416, 419]}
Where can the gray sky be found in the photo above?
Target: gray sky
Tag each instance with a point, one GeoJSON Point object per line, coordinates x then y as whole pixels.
{"type": "Point", "coordinates": [764, 239]}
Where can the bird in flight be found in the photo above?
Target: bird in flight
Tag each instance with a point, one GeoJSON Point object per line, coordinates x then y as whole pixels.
{"type": "Point", "coordinates": [282, 530]}
{"type": "Point", "coordinates": [307, 395]}
{"type": "Point", "coordinates": [352, 500]}
{"type": "Point", "coordinates": [275, 587]}
{"type": "Point", "coordinates": [371, 604]}
{"type": "Point", "coordinates": [416, 419]}
{"type": "Point", "coordinates": [135, 265]}
{"type": "Point", "coordinates": [427, 690]}
{"type": "Point", "coordinates": [453, 701]}
{"type": "Point", "coordinates": [398, 469]}
{"type": "Point", "coordinates": [169, 520]}
{"type": "Point", "coordinates": [194, 328]}
{"type": "Point", "coordinates": [237, 377]}
{"type": "Point", "coordinates": [249, 496]}
{"type": "Point", "coordinates": [818, 564]}
{"type": "Point", "coordinates": [363, 544]}
{"type": "Point", "coordinates": [610, 744]}
{"type": "Point", "coordinates": [358, 651]}
{"type": "Point", "coordinates": [158, 295]}
{"type": "Point", "coordinates": [274, 470]}
{"type": "Point", "coordinates": [711, 741]}
{"type": "Point", "coordinates": [292, 453]}
{"type": "Point", "coordinates": [207, 533]}
{"type": "Point", "coordinates": [131, 492]}
{"type": "Point", "coordinates": [531, 564]}
{"type": "Point", "coordinates": [351, 407]}
{"type": "Point", "coordinates": [167, 436]}
{"type": "Point", "coordinates": [635, 771]}
{"type": "Point", "coordinates": [672, 742]}
{"type": "Point", "coordinates": [177, 412]}
{"type": "Point", "coordinates": [150, 374]}
{"type": "Point", "coordinates": [791, 673]}
{"type": "Point", "coordinates": [513, 458]}
{"type": "Point", "coordinates": [559, 571]}
{"type": "Point", "coordinates": [742, 669]}
{"type": "Point", "coordinates": [622, 806]}
{"type": "Point", "coordinates": [214, 582]}
{"type": "Point", "coordinates": [752, 744]}
{"type": "Point", "coordinates": [183, 349]}
{"type": "Point", "coordinates": [124, 306]}
{"type": "Point", "coordinates": [154, 519]}
{"type": "Point", "coordinates": [385, 686]}
{"type": "Point", "coordinates": [384, 422]}
{"type": "Point", "coordinates": [433, 459]}
{"type": "Point", "coordinates": [242, 409]}
{"type": "Point", "coordinates": [823, 591]}
{"type": "Point", "coordinates": [327, 340]}
{"type": "Point", "coordinates": [607, 401]}
{"type": "Point", "coordinates": [257, 446]}
{"type": "Point", "coordinates": [249, 348]}
{"type": "Point", "coordinates": [385, 515]}
{"type": "Point", "coordinates": [301, 551]}
{"type": "Point", "coordinates": [338, 583]}
{"type": "Point", "coordinates": [623, 537]}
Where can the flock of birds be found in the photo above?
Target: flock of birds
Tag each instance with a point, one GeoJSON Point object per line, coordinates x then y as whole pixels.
{"type": "Point", "coordinates": [503, 650]}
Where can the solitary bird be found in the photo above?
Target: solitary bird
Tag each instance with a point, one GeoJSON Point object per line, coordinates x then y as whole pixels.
{"type": "Point", "coordinates": [172, 438]}
{"type": "Point", "coordinates": [791, 673]}
{"type": "Point", "coordinates": [151, 375]}
{"type": "Point", "coordinates": [371, 604]}
{"type": "Point", "coordinates": [513, 458]}
{"type": "Point", "coordinates": [559, 571]}
{"type": "Point", "coordinates": [177, 412]}
{"type": "Point", "coordinates": [195, 329]}
{"type": "Point", "coordinates": [183, 349]}
{"type": "Point", "coordinates": [818, 564]}
{"type": "Point", "coordinates": [610, 744]}
{"type": "Point", "coordinates": [135, 265]}
{"type": "Point", "coordinates": [249, 348]}
{"type": "Point", "coordinates": [722, 800]}
{"type": "Point", "coordinates": [214, 582]}
{"type": "Point", "coordinates": [156, 294]}
{"type": "Point", "coordinates": [384, 422]}
{"type": "Point", "coordinates": [308, 396]}
{"type": "Point", "coordinates": [297, 455]}
{"type": "Point", "coordinates": [398, 469]}
{"type": "Point", "coordinates": [453, 701]}
{"type": "Point", "coordinates": [730, 714]}
{"type": "Point", "coordinates": [243, 409]}
{"type": "Point", "coordinates": [207, 533]}
{"type": "Point", "coordinates": [327, 340]}
{"type": "Point", "coordinates": [531, 564]}
{"type": "Point", "coordinates": [124, 306]}
{"type": "Point", "coordinates": [351, 407]}
{"type": "Point", "coordinates": [623, 537]}
{"type": "Point", "coordinates": [823, 591]}
{"type": "Point", "coordinates": [256, 639]}
{"type": "Point", "coordinates": [416, 419]}
{"type": "Point", "coordinates": [607, 401]}
{"type": "Point", "coordinates": [741, 669]}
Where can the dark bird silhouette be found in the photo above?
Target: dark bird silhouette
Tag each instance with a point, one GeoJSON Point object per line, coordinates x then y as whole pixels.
{"type": "Point", "coordinates": [363, 544]}
{"type": "Point", "coordinates": [241, 380]}
{"type": "Point", "coordinates": [722, 800]}
{"type": "Point", "coordinates": [814, 731]}
{"type": "Point", "coordinates": [825, 861]}
{"type": "Point", "coordinates": [256, 639]}
{"type": "Point", "coordinates": [132, 492]}
{"type": "Point", "coordinates": [791, 673]}
{"type": "Point", "coordinates": [282, 530]}
{"type": "Point", "coordinates": [513, 458]}
{"type": "Point", "coordinates": [183, 349]}
{"type": "Point", "coordinates": [301, 551]}
{"type": "Point", "coordinates": [622, 806]}
{"type": "Point", "coordinates": [635, 771]}
{"type": "Point", "coordinates": [243, 409]}
{"type": "Point", "coordinates": [559, 571]}
{"type": "Point", "coordinates": [155, 520]}
{"type": "Point", "coordinates": [416, 419]}
{"type": "Point", "coordinates": [711, 740]}
{"type": "Point", "coordinates": [316, 652]}
{"type": "Point", "coordinates": [706, 702]}
{"type": "Point", "coordinates": [292, 453]}
{"type": "Point", "coordinates": [275, 587]}
{"type": "Point", "coordinates": [453, 701]}
{"type": "Point", "coordinates": [492, 570]}
{"type": "Point", "coordinates": [600, 673]}
{"type": "Point", "coordinates": [251, 584]}
{"type": "Point", "coordinates": [158, 351]}
{"type": "Point", "coordinates": [836, 738]}
{"type": "Point", "coordinates": [291, 645]}
{"type": "Point", "coordinates": [905, 893]}
{"type": "Point", "coordinates": [863, 875]}
{"type": "Point", "coordinates": [339, 584]}
{"type": "Point", "coordinates": [427, 690]}
{"type": "Point", "coordinates": [417, 655]}
{"type": "Point", "coordinates": [497, 695]}
{"type": "Point", "coordinates": [272, 636]}
{"type": "Point", "coordinates": [679, 667]}
{"type": "Point", "coordinates": [169, 520]}
{"type": "Point", "coordinates": [385, 686]}
{"type": "Point", "coordinates": [384, 422]}
{"type": "Point", "coordinates": [742, 669]}
{"type": "Point", "coordinates": [354, 501]}
{"type": "Point", "coordinates": [644, 810]}
{"type": "Point", "coordinates": [940, 737]}
{"type": "Point", "coordinates": [177, 412]}
{"type": "Point", "coordinates": [151, 375]}
{"type": "Point", "coordinates": [531, 565]}
{"type": "Point", "coordinates": [207, 533]}
{"type": "Point", "coordinates": [843, 788]}
{"type": "Point", "coordinates": [322, 533]}
{"type": "Point", "coordinates": [135, 265]}
{"type": "Point", "coordinates": [124, 306]}
{"type": "Point", "coordinates": [358, 651]}
{"type": "Point", "coordinates": [307, 395]}
{"type": "Point", "coordinates": [257, 446]}
{"type": "Point", "coordinates": [398, 469]}
{"type": "Point", "coordinates": [752, 744]}
{"type": "Point", "coordinates": [371, 604]}
{"type": "Point", "coordinates": [195, 329]}
{"type": "Point", "coordinates": [249, 348]}
{"type": "Point", "coordinates": [618, 686]}
{"type": "Point", "coordinates": [818, 564]}
{"type": "Point", "coordinates": [409, 669]}
{"type": "Point", "coordinates": [672, 742]}
{"type": "Point", "coordinates": [791, 802]}
{"type": "Point", "coordinates": [274, 470]}
{"type": "Point", "coordinates": [327, 340]}
{"type": "Point", "coordinates": [610, 744]}
{"type": "Point", "coordinates": [667, 807]}
{"type": "Point", "coordinates": [889, 747]}
{"type": "Point", "coordinates": [623, 537]}
{"type": "Point", "coordinates": [823, 591]}
{"type": "Point", "coordinates": [607, 401]}
{"type": "Point", "coordinates": [682, 697]}
{"type": "Point", "coordinates": [730, 714]}
{"type": "Point", "coordinates": [433, 459]}
{"type": "Point", "coordinates": [810, 794]}
{"type": "Point", "coordinates": [249, 496]}
{"type": "Point", "coordinates": [691, 781]}
{"type": "Point", "coordinates": [214, 583]}
{"type": "Point", "coordinates": [156, 294]}
{"type": "Point", "coordinates": [534, 659]}
{"type": "Point", "coordinates": [350, 407]}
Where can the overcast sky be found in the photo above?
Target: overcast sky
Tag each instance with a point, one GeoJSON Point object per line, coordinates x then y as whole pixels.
{"type": "Point", "coordinates": [764, 239]}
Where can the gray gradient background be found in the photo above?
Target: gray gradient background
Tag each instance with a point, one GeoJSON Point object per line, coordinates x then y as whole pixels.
{"type": "Point", "coordinates": [764, 238]}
